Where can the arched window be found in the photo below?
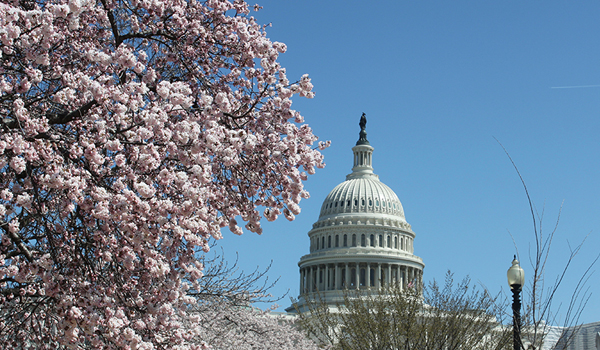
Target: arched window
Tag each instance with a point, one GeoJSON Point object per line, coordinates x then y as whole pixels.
{"type": "Point", "coordinates": [370, 202]}
{"type": "Point", "coordinates": [372, 239]}
{"type": "Point", "coordinates": [395, 242]}
{"type": "Point", "coordinates": [323, 242]}
{"type": "Point", "coordinates": [337, 241]}
{"type": "Point", "coordinates": [354, 240]}
{"type": "Point", "coordinates": [381, 241]}
{"type": "Point", "coordinates": [363, 241]}
{"type": "Point", "coordinates": [329, 242]}
{"type": "Point", "coordinates": [345, 240]}
{"type": "Point", "coordinates": [363, 201]}
{"type": "Point", "coordinates": [389, 241]}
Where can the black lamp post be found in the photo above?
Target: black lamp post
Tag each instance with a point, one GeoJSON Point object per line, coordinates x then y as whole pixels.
{"type": "Point", "coordinates": [516, 279]}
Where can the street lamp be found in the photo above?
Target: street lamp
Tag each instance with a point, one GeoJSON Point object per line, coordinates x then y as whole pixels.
{"type": "Point", "coordinates": [516, 279]}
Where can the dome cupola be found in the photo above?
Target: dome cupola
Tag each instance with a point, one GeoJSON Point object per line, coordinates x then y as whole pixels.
{"type": "Point", "coordinates": [362, 192]}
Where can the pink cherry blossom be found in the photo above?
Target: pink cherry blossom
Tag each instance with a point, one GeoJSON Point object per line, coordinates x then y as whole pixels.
{"type": "Point", "coordinates": [132, 133]}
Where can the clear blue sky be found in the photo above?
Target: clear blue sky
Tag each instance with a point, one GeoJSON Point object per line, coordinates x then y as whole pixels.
{"type": "Point", "coordinates": [438, 81]}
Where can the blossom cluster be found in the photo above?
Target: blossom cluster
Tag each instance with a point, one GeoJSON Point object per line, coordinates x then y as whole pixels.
{"type": "Point", "coordinates": [132, 133]}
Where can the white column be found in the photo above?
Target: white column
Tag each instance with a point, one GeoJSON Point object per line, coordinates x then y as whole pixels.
{"type": "Point", "coordinates": [347, 277]}
{"type": "Point", "coordinates": [388, 277]}
{"type": "Point", "coordinates": [357, 270]}
{"type": "Point", "coordinates": [338, 277]}
{"type": "Point", "coordinates": [378, 277]}
{"type": "Point", "coordinates": [318, 279]}
{"type": "Point", "coordinates": [401, 277]}
{"type": "Point", "coordinates": [368, 276]}
{"type": "Point", "coordinates": [305, 280]}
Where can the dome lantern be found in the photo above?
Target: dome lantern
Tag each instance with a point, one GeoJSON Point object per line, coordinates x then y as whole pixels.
{"type": "Point", "coordinates": [363, 154]}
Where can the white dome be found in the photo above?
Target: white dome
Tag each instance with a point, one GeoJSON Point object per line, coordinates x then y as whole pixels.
{"type": "Point", "coordinates": [364, 196]}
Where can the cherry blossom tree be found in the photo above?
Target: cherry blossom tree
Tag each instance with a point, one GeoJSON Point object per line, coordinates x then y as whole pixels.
{"type": "Point", "coordinates": [132, 132]}
{"type": "Point", "coordinates": [227, 319]}
{"type": "Point", "coordinates": [225, 327]}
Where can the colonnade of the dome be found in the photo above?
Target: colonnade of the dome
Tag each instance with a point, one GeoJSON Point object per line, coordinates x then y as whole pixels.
{"type": "Point", "coordinates": [362, 158]}
{"type": "Point", "coordinates": [357, 275]}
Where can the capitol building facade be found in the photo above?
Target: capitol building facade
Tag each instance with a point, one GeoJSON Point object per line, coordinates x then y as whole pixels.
{"type": "Point", "coordinates": [361, 239]}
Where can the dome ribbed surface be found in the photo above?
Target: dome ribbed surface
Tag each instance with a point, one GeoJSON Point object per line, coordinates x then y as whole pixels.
{"type": "Point", "coordinates": [362, 195]}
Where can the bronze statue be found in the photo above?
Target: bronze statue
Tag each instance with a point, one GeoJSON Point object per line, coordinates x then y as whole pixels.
{"type": "Point", "coordinates": [362, 140]}
{"type": "Point", "coordinates": [363, 122]}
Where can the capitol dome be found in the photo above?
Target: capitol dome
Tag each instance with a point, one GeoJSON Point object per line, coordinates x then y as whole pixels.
{"type": "Point", "coordinates": [361, 239]}
{"type": "Point", "coordinates": [362, 196]}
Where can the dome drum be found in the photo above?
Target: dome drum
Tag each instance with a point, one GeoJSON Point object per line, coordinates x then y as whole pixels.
{"type": "Point", "coordinates": [378, 239]}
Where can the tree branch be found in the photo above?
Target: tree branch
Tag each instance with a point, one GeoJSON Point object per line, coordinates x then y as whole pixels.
{"type": "Point", "coordinates": [16, 239]}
